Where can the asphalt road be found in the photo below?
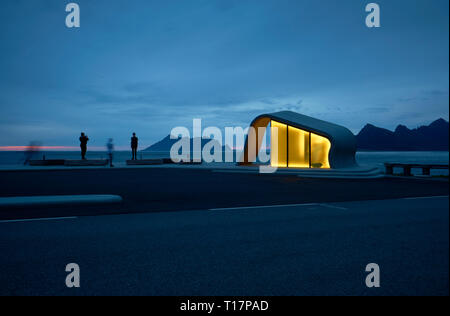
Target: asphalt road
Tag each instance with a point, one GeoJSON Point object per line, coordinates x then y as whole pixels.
{"type": "Point", "coordinates": [317, 249]}
{"type": "Point", "coordinates": [159, 190]}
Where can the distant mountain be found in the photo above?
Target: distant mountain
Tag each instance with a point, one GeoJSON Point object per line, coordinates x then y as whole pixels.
{"type": "Point", "coordinates": [434, 137]}
{"type": "Point", "coordinates": [166, 144]}
{"type": "Point", "coordinates": [163, 145]}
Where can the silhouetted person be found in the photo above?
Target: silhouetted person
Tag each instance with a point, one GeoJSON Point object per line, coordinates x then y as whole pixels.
{"type": "Point", "coordinates": [83, 145]}
{"type": "Point", "coordinates": [31, 151]}
{"type": "Point", "coordinates": [134, 146]}
{"type": "Point", "coordinates": [110, 148]}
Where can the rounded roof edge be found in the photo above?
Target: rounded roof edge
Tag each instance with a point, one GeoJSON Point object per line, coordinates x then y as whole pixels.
{"type": "Point", "coordinates": [306, 122]}
{"type": "Point", "coordinates": [336, 133]}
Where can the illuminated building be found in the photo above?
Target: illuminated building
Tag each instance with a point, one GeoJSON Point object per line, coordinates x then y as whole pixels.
{"type": "Point", "coordinates": [299, 141]}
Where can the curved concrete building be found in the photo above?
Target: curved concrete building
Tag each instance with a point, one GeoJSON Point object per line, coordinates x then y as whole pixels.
{"type": "Point", "coordinates": [300, 141]}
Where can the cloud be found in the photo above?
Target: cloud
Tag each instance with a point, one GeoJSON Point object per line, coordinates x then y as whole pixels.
{"type": "Point", "coordinates": [437, 92]}
{"type": "Point", "coordinates": [378, 109]}
{"type": "Point", "coordinates": [152, 65]}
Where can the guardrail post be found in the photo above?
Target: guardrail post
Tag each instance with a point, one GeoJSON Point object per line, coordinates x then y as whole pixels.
{"type": "Point", "coordinates": [407, 171]}
{"type": "Point", "coordinates": [389, 169]}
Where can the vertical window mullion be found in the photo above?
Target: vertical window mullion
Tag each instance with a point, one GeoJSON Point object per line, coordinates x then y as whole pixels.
{"type": "Point", "coordinates": [310, 153]}
{"type": "Point", "coordinates": [287, 146]}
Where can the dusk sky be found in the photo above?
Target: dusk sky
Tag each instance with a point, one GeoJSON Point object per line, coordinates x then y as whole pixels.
{"type": "Point", "coordinates": [148, 66]}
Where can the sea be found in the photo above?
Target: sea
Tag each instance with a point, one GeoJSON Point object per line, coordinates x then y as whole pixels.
{"type": "Point", "coordinates": [15, 159]}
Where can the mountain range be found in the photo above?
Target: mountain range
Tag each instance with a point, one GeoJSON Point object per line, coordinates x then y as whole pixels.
{"type": "Point", "coordinates": [434, 137]}
{"type": "Point", "coordinates": [166, 144]}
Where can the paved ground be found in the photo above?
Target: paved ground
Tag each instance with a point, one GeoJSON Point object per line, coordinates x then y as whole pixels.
{"type": "Point", "coordinates": [148, 248]}
{"type": "Point", "coordinates": [319, 249]}
{"type": "Point", "coordinates": [159, 190]}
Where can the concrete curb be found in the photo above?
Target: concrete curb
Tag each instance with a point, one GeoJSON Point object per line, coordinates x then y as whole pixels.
{"type": "Point", "coordinates": [357, 173]}
{"type": "Point", "coordinates": [58, 200]}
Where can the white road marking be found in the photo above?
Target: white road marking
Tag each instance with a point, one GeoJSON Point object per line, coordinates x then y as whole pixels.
{"type": "Point", "coordinates": [37, 219]}
{"type": "Point", "coordinates": [263, 206]}
{"type": "Point", "coordinates": [333, 206]}
{"type": "Point", "coordinates": [321, 204]}
{"type": "Point", "coordinates": [241, 208]}
{"type": "Point", "coordinates": [426, 197]}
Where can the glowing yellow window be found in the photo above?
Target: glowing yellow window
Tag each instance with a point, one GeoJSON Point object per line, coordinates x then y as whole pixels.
{"type": "Point", "coordinates": [320, 149]}
{"type": "Point", "coordinates": [298, 148]}
{"type": "Point", "coordinates": [278, 144]}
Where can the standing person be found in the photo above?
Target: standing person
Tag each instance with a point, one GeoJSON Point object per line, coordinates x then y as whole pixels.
{"type": "Point", "coordinates": [31, 151]}
{"type": "Point", "coordinates": [110, 148]}
{"type": "Point", "coordinates": [134, 146]}
{"type": "Point", "coordinates": [83, 145]}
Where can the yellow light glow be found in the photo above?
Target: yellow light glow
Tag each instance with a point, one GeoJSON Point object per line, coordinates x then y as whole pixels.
{"type": "Point", "coordinates": [298, 148]}
{"type": "Point", "coordinates": [295, 148]}
{"type": "Point", "coordinates": [278, 144]}
{"type": "Point", "coordinates": [320, 149]}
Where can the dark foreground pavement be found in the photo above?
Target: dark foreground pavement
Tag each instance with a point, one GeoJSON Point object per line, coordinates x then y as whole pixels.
{"type": "Point", "coordinates": [160, 190]}
{"type": "Point", "coordinates": [319, 249]}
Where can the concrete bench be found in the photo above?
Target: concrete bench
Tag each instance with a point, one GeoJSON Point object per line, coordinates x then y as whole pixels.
{"type": "Point", "coordinates": [190, 162]}
{"type": "Point", "coordinates": [164, 161]}
{"type": "Point", "coordinates": [86, 163]}
{"type": "Point", "coordinates": [426, 168]}
{"type": "Point", "coordinates": [29, 201]}
{"type": "Point", "coordinates": [145, 162]}
{"type": "Point", "coordinates": [49, 162]}
{"type": "Point", "coordinates": [69, 163]}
